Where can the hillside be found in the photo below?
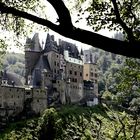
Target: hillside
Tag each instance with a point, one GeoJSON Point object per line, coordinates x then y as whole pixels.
{"type": "Point", "coordinates": [76, 123]}
{"type": "Point", "coordinates": [15, 63]}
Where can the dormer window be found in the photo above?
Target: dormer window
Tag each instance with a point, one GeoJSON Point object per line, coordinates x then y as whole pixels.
{"type": "Point", "coordinates": [4, 82]}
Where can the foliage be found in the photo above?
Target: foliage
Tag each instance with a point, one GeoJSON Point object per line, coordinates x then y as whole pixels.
{"type": "Point", "coordinates": [23, 130]}
{"type": "Point", "coordinates": [108, 65]}
{"type": "Point", "coordinates": [128, 90]}
{"type": "Point", "coordinates": [19, 25]}
{"type": "Point", "coordinates": [16, 28]}
{"type": "Point", "coordinates": [3, 47]}
{"type": "Point", "coordinates": [77, 123]}
{"type": "Point", "coordinates": [107, 95]}
{"type": "Point", "coordinates": [113, 15]}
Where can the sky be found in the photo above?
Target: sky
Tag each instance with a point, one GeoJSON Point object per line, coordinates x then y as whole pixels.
{"type": "Point", "coordinates": [51, 14]}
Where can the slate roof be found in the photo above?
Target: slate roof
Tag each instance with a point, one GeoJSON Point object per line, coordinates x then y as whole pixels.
{"type": "Point", "coordinates": [12, 77]}
{"type": "Point", "coordinates": [72, 49]}
{"type": "Point", "coordinates": [42, 64]}
{"type": "Point", "coordinates": [36, 43]}
{"type": "Point", "coordinates": [50, 44]}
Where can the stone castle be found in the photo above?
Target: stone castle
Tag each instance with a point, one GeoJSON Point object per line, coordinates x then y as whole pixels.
{"type": "Point", "coordinates": [56, 73]}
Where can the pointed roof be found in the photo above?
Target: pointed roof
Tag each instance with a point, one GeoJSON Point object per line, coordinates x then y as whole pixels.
{"type": "Point", "coordinates": [82, 53]}
{"type": "Point", "coordinates": [36, 43]}
{"type": "Point", "coordinates": [43, 63]}
{"type": "Point", "coordinates": [50, 44]}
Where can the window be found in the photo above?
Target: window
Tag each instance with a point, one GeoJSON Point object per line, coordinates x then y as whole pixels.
{"type": "Point", "coordinates": [80, 73]}
{"type": "Point", "coordinates": [70, 71]}
{"type": "Point", "coordinates": [75, 72]}
{"type": "Point", "coordinates": [91, 74]}
{"type": "Point", "coordinates": [27, 93]}
{"type": "Point", "coordinates": [55, 63]}
{"type": "Point", "coordinates": [86, 74]}
{"type": "Point", "coordinates": [72, 79]}
{"type": "Point", "coordinates": [95, 74]}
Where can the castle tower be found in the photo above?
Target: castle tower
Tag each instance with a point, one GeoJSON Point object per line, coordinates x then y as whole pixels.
{"type": "Point", "coordinates": [32, 53]}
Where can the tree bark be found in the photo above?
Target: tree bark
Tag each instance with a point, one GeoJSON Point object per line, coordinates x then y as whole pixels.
{"type": "Point", "coordinates": [67, 29]}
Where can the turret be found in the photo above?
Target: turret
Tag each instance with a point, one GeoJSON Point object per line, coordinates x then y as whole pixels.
{"type": "Point", "coordinates": [32, 53]}
{"type": "Point", "coordinates": [82, 54]}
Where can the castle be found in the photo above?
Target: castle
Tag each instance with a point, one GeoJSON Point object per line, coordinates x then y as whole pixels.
{"type": "Point", "coordinates": [56, 73]}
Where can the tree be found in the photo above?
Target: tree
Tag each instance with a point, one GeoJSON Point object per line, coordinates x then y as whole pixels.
{"type": "Point", "coordinates": [123, 14]}
{"type": "Point", "coordinates": [77, 123]}
{"type": "Point", "coordinates": [127, 87]}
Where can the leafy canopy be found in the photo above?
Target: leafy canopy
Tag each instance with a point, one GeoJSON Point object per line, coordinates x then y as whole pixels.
{"type": "Point", "coordinates": [119, 15]}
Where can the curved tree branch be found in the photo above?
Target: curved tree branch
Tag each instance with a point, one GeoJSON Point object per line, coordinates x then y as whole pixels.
{"type": "Point", "coordinates": [120, 21]}
{"type": "Point", "coordinates": [66, 29]}
{"type": "Point", "coordinates": [63, 13]}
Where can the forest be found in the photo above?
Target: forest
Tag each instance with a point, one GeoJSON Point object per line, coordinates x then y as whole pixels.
{"type": "Point", "coordinates": [14, 63]}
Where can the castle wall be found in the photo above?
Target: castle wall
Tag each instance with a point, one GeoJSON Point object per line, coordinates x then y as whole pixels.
{"type": "Point", "coordinates": [12, 98]}
{"type": "Point", "coordinates": [74, 75]}
{"type": "Point", "coordinates": [39, 102]}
